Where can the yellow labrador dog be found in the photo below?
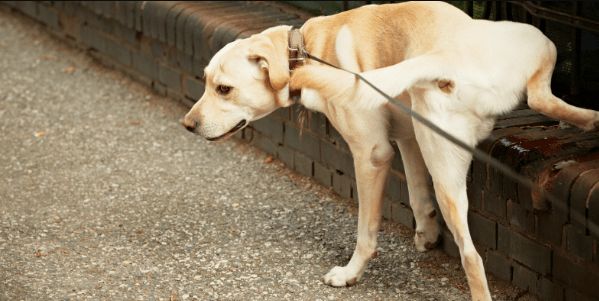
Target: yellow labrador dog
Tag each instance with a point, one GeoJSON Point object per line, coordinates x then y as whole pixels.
{"type": "Point", "coordinates": [458, 72]}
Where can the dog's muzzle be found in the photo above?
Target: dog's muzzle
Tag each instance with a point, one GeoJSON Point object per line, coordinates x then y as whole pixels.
{"type": "Point", "coordinates": [191, 125]}
{"type": "Point", "coordinates": [232, 131]}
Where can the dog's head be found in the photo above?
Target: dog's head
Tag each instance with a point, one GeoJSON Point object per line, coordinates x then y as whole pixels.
{"type": "Point", "coordinates": [246, 80]}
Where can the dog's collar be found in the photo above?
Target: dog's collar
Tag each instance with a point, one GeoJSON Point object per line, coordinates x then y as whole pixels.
{"type": "Point", "coordinates": [297, 56]}
{"type": "Point", "coordinates": [296, 48]}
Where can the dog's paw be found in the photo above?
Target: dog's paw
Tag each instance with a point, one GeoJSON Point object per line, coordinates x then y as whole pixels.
{"type": "Point", "coordinates": [590, 125]}
{"type": "Point", "coordinates": [341, 276]}
{"type": "Point", "coordinates": [428, 235]}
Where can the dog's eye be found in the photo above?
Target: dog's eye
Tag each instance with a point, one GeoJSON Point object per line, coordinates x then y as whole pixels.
{"type": "Point", "coordinates": [223, 90]}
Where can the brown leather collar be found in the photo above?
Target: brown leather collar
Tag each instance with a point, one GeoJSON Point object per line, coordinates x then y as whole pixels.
{"type": "Point", "coordinates": [297, 57]}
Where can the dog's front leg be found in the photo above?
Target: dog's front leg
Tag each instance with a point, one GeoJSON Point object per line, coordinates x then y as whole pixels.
{"type": "Point", "coordinates": [372, 162]}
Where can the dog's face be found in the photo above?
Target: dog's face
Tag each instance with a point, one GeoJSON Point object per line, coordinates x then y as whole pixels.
{"type": "Point", "coordinates": [246, 80]}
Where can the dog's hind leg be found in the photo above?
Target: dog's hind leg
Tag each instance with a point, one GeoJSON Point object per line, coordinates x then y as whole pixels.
{"type": "Point", "coordinates": [420, 194]}
{"type": "Point", "coordinates": [542, 100]}
{"type": "Point", "coordinates": [448, 166]}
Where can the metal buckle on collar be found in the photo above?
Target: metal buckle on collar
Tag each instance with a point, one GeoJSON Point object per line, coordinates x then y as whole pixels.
{"type": "Point", "coordinates": [298, 55]}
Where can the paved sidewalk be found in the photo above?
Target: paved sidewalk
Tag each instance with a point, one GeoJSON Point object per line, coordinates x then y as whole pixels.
{"type": "Point", "coordinates": [104, 196]}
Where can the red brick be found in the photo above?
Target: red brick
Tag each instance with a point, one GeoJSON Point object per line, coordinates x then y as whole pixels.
{"type": "Point", "coordinates": [523, 249]}
{"type": "Point", "coordinates": [520, 217]}
{"type": "Point", "coordinates": [317, 123]}
{"type": "Point", "coordinates": [118, 51]}
{"type": "Point", "coordinates": [494, 205]}
{"type": "Point", "coordinates": [322, 174]}
{"type": "Point", "coordinates": [550, 291]}
{"type": "Point", "coordinates": [549, 226]}
{"type": "Point", "coordinates": [48, 15]}
{"type": "Point", "coordinates": [393, 187]}
{"type": "Point", "coordinates": [498, 265]}
{"type": "Point", "coordinates": [170, 77]}
{"type": "Point", "coordinates": [573, 295]}
{"type": "Point", "coordinates": [536, 119]}
{"type": "Point", "coordinates": [160, 18]}
{"type": "Point", "coordinates": [397, 163]}
{"type": "Point", "coordinates": [402, 214]}
{"type": "Point", "coordinates": [579, 194]}
{"type": "Point", "coordinates": [171, 21]}
{"type": "Point", "coordinates": [145, 65]}
{"type": "Point", "coordinates": [448, 243]}
{"type": "Point", "coordinates": [159, 88]}
{"type": "Point", "coordinates": [336, 159]}
{"type": "Point", "coordinates": [28, 7]}
{"type": "Point", "coordinates": [565, 178]}
{"type": "Point", "coordinates": [231, 29]}
{"type": "Point", "coordinates": [524, 278]}
{"type": "Point", "coordinates": [387, 209]}
{"type": "Point", "coordinates": [285, 154]}
{"type": "Point", "coordinates": [206, 23]}
{"type": "Point", "coordinates": [193, 88]}
{"type": "Point", "coordinates": [180, 23]}
{"type": "Point", "coordinates": [305, 142]}
{"type": "Point", "coordinates": [578, 243]}
{"type": "Point", "coordinates": [531, 253]}
{"type": "Point", "coordinates": [580, 277]}
{"type": "Point", "coordinates": [475, 197]}
{"type": "Point", "coordinates": [593, 212]}
{"type": "Point", "coordinates": [302, 164]}
{"type": "Point", "coordinates": [504, 237]}
{"type": "Point", "coordinates": [261, 141]}
{"type": "Point", "coordinates": [342, 184]}
{"type": "Point", "coordinates": [270, 127]}
{"type": "Point", "coordinates": [482, 229]}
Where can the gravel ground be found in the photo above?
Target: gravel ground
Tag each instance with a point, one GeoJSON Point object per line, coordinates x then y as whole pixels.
{"type": "Point", "coordinates": [104, 196]}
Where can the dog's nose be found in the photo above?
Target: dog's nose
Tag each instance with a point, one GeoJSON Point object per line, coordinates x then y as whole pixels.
{"type": "Point", "coordinates": [191, 128]}
{"type": "Point", "coordinates": [189, 124]}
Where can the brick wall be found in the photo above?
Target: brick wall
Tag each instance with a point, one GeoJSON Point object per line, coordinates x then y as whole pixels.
{"type": "Point", "coordinates": [522, 239]}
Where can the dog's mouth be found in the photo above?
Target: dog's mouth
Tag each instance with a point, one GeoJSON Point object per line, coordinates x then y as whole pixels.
{"type": "Point", "coordinates": [232, 131]}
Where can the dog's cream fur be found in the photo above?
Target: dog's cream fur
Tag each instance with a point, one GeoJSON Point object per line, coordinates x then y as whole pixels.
{"type": "Point", "coordinates": [458, 72]}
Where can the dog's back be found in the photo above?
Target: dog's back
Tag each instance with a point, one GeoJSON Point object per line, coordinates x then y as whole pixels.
{"type": "Point", "coordinates": [385, 34]}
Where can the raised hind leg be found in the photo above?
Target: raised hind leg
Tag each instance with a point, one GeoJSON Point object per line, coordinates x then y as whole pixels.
{"type": "Point", "coordinates": [542, 100]}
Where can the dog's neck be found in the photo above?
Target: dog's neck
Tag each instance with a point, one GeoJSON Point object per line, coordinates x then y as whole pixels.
{"type": "Point", "coordinates": [297, 57]}
{"type": "Point", "coordinates": [281, 38]}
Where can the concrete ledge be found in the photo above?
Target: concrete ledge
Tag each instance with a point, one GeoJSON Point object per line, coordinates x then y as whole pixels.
{"type": "Point", "coordinates": [522, 239]}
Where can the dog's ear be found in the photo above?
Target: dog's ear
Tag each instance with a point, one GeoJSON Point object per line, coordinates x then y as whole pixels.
{"type": "Point", "coordinates": [263, 50]}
